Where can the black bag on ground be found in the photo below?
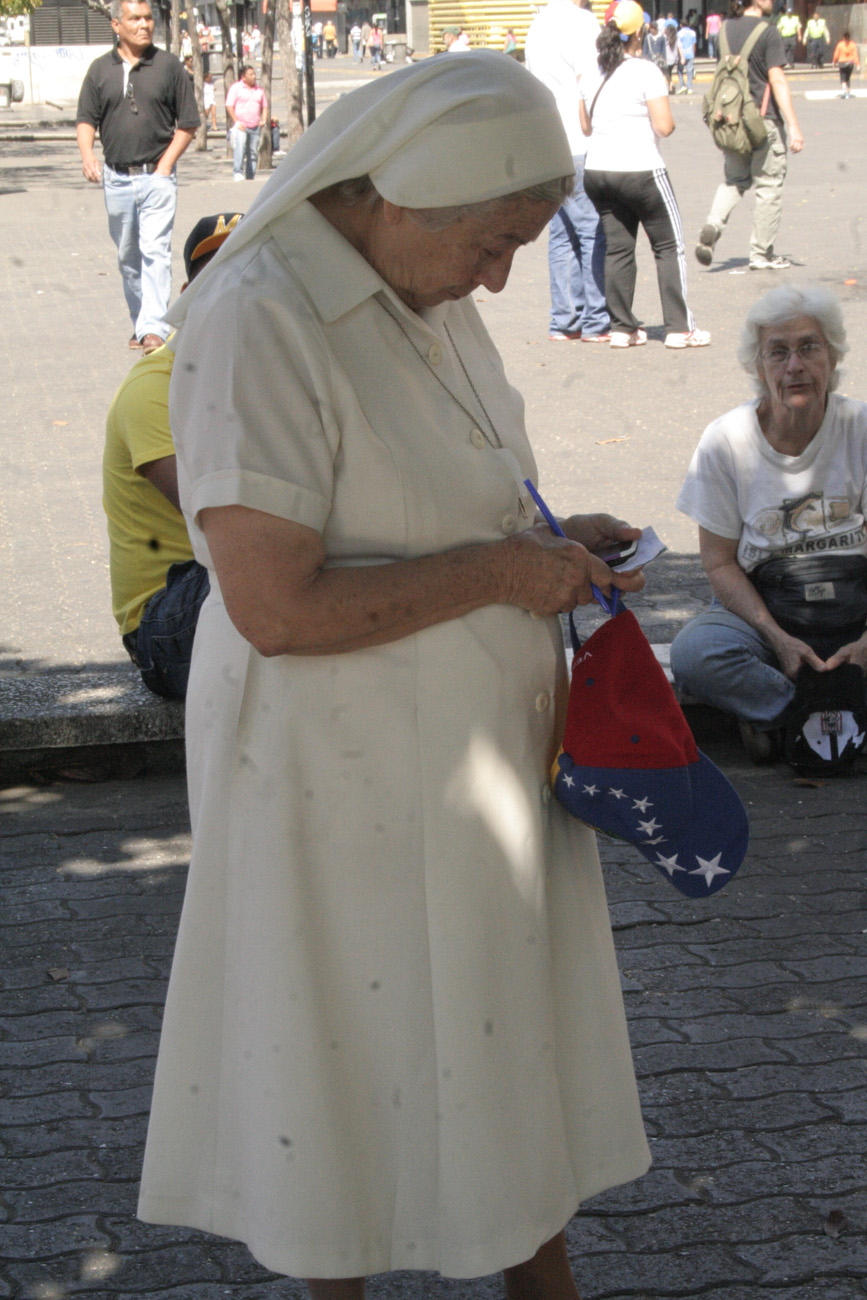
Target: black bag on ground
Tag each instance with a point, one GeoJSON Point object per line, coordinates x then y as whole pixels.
{"type": "Point", "coordinates": [821, 599]}
{"type": "Point", "coordinates": [827, 722]}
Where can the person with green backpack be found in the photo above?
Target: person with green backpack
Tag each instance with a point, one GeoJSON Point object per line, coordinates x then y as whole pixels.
{"type": "Point", "coordinates": [750, 114]}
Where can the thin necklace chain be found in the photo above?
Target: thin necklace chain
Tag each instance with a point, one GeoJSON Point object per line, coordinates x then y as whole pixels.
{"type": "Point", "coordinates": [496, 442]}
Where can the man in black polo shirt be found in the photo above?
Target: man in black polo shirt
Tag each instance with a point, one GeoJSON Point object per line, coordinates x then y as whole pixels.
{"type": "Point", "coordinates": [765, 168]}
{"type": "Point", "coordinates": [142, 102]}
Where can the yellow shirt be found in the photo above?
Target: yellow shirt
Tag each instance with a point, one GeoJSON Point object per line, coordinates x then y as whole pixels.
{"type": "Point", "coordinates": [146, 533]}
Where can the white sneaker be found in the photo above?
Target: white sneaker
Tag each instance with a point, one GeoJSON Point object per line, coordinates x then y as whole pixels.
{"type": "Point", "coordinates": [694, 339]}
{"type": "Point", "coordinates": [769, 263]}
{"type": "Point", "coordinates": [620, 339]}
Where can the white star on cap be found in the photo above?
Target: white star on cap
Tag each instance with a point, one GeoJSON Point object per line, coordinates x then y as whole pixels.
{"type": "Point", "coordinates": [669, 864]}
{"type": "Point", "coordinates": [642, 805]}
{"type": "Point", "coordinates": [568, 780]}
{"type": "Point", "coordinates": [660, 839]}
{"type": "Point", "coordinates": [591, 789]}
{"type": "Point", "coordinates": [618, 794]}
{"type": "Point", "coordinates": [709, 869]}
{"type": "Point", "coordinates": [649, 827]}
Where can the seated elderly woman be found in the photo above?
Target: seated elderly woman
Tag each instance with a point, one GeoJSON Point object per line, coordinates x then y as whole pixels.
{"type": "Point", "coordinates": [394, 1035]}
{"type": "Point", "coordinates": [777, 487]}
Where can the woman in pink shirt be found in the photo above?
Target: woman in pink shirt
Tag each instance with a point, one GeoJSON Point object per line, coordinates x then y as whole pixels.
{"type": "Point", "coordinates": [247, 110]}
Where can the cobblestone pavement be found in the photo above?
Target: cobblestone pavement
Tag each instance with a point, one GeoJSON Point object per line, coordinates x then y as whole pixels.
{"type": "Point", "coordinates": [748, 1016]}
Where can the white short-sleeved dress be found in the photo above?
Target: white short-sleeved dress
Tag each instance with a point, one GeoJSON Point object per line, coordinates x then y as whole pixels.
{"type": "Point", "coordinates": [394, 1034]}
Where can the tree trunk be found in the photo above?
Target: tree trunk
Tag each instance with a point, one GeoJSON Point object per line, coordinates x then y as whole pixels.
{"type": "Point", "coordinates": [224, 18]}
{"type": "Point", "coordinates": [176, 28]}
{"type": "Point", "coordinates": [198, 83]}
{"type": "Point", "coordinates": [291, 79]}
{"type": "Point", "coordinates": [265, 83]}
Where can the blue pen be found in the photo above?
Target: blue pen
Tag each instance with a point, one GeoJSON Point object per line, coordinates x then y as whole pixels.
{"type": "Point", "coordinates": [610, 606]}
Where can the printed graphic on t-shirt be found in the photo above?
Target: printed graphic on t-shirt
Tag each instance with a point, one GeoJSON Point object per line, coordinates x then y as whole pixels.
{"type": "Point", "coordinates": [805, 526]}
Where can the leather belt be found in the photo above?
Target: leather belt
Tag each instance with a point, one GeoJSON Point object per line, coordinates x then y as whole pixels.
{"type": "Point", "coordinates": [136, 169]}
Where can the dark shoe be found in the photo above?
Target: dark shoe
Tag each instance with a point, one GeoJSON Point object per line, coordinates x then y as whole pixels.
{"type": "Point", "coordinates": [134, 342]}
{"type": "Point", "coordinates": [760, 745]}
{"type": "Point", "coordinates": [151, 342]}
{"type": "Point", "coordinates": [707, 237]}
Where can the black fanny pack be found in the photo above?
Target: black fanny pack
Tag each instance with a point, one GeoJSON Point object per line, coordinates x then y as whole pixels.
{"type": "Point", "coordinates": [821, 599]}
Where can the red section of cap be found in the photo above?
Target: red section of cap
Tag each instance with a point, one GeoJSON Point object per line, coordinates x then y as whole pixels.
{"type": "Point", "coordinates": [622, 711]}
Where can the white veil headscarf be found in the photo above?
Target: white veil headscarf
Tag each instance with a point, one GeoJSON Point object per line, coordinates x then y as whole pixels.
{"type": "Point", "coordinates": [437, 134]}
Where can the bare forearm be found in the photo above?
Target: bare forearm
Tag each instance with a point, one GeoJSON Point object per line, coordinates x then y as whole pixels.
{"type": "Point", "coordinates": [355, 607]}
{"type": "Point", "coordinates": [85, 135]}
{"type": "Point", "coordinates": [179, 142]}
{"type": "Point", "coordinates": [285, 599]}
{"type": "Point", "coordinates": [733, 589]}
{"type": "Point", "coordinates": [783, 97]}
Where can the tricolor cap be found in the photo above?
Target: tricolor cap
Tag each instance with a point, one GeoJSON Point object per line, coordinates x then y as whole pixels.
{"type": "Point", "coordinates": [206, 237]}
{"type": "Point", "coordinates": [629, 765]}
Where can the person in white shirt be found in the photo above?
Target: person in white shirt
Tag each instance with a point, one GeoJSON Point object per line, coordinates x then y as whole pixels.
{"type": "Point", "coordinates": [560, 49]}
{"type": "Point", "coordinates": [625, 110]}
{"type": "Point", "coordinates": [778, 488]}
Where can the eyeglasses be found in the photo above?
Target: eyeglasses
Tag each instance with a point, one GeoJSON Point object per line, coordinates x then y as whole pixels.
{"type": "Point", "coordinates": [779, 354]}
{"type": "Point", "coordinates": [131, 96]}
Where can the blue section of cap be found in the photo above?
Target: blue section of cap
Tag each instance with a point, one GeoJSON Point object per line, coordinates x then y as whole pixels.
{"type": "Point", "coordinates": [688, 822]}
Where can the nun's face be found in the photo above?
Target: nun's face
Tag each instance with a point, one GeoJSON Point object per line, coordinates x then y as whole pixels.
{"type": "Point", "coordinates": [428, 267]}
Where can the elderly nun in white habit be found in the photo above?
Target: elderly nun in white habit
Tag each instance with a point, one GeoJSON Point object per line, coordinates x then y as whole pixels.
{"type": "Point", "coordinates": [394, 1035]}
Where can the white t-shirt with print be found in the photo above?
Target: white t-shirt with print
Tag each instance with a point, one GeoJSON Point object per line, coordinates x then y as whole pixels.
{"type": "Point", "coordinates": [623, 139]}
{"type": "Point", "coordinates": [738, 487]}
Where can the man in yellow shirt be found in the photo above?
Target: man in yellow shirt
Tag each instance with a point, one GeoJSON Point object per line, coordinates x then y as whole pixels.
{"type": "Point", "coordinates": [157, 587]}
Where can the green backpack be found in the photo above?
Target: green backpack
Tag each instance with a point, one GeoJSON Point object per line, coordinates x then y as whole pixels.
{"type": "Point", "coordinates": [735, 122]}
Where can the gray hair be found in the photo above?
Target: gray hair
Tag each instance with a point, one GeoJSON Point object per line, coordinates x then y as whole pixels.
{"type": "Point", "coordinates": [116, 7]}
{"type": "Point", "coordinates": [785, 304]}
{"type": "Point", "coordinates": [360, 189]}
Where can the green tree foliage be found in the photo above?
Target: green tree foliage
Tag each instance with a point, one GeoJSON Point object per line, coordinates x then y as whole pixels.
{"type": "Point", "coordinates": [10, 7]}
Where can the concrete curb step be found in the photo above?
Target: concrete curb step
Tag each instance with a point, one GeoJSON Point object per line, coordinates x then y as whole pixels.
{"type": "Point", "coordinates": [102, 723]}
{"type": "Point", "coordinates": [93, 723]}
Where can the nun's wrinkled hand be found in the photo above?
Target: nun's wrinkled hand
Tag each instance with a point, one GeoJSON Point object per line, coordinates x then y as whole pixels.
{"type": "Point", "coordinates": [600, 533]}
{"type": "Point", "coordinates": [551, 575]}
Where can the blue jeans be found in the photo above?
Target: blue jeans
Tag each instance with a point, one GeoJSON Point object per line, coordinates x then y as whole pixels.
{"type": "Point", "coordinates": [162, 645]}
{"type": "Point", "coordinates": [141, 214]}
{"type": "Point", "coordinates": [245, 151]}
{"type": "Point", "coordinates": [576, 264]}
{"type": "Point", "coordinates": [720, 659]}
{"type": "Point", "coordinates": [356, 50]}
{"type": "Point", "coordinates": [689, 66]}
